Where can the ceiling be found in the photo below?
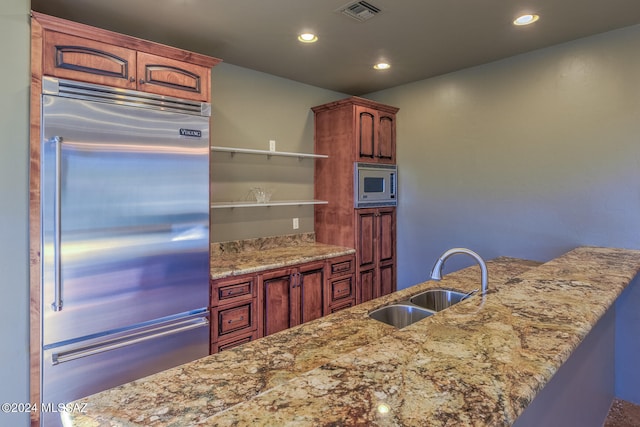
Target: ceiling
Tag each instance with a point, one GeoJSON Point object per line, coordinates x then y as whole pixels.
{"type": "Point", "coordinates": [419, 38]}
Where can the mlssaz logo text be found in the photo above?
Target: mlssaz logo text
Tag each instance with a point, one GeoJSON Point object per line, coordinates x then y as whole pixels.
{"type": "Point", "coordinates": [191, 132]}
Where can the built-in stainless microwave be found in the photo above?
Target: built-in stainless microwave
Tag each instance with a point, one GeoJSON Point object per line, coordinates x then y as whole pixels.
{"type": "Point", "coordinates": [375, 185]}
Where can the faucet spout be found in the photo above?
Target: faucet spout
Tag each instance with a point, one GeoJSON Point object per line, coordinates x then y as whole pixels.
{"type": "Point", "coordinates": [436, 271]}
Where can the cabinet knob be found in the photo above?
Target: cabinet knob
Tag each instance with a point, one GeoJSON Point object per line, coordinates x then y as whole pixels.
{"type": "Point", "coordinates": [132, 79]}
{"type": "Point", "coordinates": [141, 81]}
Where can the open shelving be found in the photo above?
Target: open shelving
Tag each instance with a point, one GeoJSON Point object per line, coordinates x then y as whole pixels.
{"type": "Point", "coordinates": [254, 204]}
{"type": "Point", "coordinates": [268, 153]}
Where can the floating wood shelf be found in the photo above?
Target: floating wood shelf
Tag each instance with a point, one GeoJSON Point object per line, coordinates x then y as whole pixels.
{"type": "Point", "coordinates": [254, 204]}
{"type": "Point", "coordinates": [268, 153]}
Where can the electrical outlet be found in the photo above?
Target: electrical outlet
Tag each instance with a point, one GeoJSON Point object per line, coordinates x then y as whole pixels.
{"type": "Point", "coordinates": [272, 145]}
{"type": "Point", "coordinates": [296, 223]}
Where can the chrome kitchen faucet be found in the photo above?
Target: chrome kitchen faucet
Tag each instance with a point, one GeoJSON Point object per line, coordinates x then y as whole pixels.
{"type": "Point", "coordinates": [436, 271]}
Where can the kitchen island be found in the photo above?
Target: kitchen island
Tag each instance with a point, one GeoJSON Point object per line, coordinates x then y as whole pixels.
{"type": "Point", "coordinates": [480, 362]}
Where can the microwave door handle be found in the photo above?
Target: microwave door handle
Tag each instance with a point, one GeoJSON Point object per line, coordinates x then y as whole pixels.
{"type": "Point", "coordinates": [392, 184]}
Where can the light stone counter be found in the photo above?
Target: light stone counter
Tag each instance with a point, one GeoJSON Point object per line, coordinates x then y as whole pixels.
{"type": "Point", "coordinates": [480, 362]}
{"type": "Point", "coordinates": [254, 255]}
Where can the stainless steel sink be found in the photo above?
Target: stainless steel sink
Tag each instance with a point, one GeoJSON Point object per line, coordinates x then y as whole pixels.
{"type": "Point", "coordinates": [400, 315]}
{"type": "Point", "coordinates": [438, 299]}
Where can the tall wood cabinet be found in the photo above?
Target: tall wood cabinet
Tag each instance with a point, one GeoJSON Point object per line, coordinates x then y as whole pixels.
{"type": "Point", "coordinates": [356, 130]}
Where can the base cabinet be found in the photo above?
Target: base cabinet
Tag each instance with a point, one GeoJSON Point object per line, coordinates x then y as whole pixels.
{"type": "Point", "coordinates": [291, 296]}
{"type": "Point", "coordinates": [244, 308]}
{"type": "Point", "coordinates": [234, 307]}
{"type": "Point", "coordinates": [340, 288]}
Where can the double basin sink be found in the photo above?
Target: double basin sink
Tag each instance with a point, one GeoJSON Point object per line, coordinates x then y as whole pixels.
{"type": "Point", "coordinates": [418, 307]}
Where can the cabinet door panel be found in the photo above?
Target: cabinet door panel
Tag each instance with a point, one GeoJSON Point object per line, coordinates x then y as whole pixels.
{"type": "Point", "coordinates": [367, 286]}
{"type": "Point", "coordinates": [165, 76]}
{"type": "Point", "coordinates": [386, 234]}
{"type": "Point", "coordinates": [366, 134]}
{"type": "Point", "coordinates": [366, 238]}
{"type": "Point", "coordinates": [387, 279]}
{"type": "Point", "coordinates": [277, 304]}
{"type": "Point", "coordinates": [386, 137]}
{"type": "Point", "coordinates": [311, 298]}
{"type": "Point", "coordinates": [76, 58]}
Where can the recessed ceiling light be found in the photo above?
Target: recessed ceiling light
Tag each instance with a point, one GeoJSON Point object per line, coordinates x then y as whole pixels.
{"type": "Point", "coordinates": [382, 66]}
{"type": "Point", "coordinates": [308, 38]}
{"type": "Point", "coordinates": [526, 19]}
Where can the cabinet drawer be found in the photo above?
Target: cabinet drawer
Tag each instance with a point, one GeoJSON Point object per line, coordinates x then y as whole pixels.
{"type": "Point", "coordinates": [342, 288]}
{"type": "Point", "coordinates": [234, 318]}
{"type": "Point", "coordinates": [343, 266]}
{"type": "Point", "coordinates": [235, 290]}
{"type": "Point", "coordinates": [217, 347]}
{"type": "Point", "coordinates": [229, 291]}
{"type": "Point", "coordinates": [342, 305]}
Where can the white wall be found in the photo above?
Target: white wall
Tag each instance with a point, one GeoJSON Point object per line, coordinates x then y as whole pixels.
{"type": "Point", "coordinates": [14, 191]}
{"type": "Point", "coordinates": [250, 108]}
{"type": "Point", "coordinates": [527, 157]}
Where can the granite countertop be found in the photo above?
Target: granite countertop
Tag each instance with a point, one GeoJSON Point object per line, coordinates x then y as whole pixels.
{"type": "Point", "coordinates": [479, 362]}
{"type": "Point", "coordinates": [254, 255]}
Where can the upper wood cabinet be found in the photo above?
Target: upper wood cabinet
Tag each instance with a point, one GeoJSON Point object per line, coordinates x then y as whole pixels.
{"type": "Point", "coordinates": [75, 58]}
{"type": "Point", "coordinates": [375, 135]}
{"type": "Point", "coordinates": [165, 76]}
{"type": "Point", "coordinates": [366, 128]}
{"type": "Point", "coordinates": [79, 52]}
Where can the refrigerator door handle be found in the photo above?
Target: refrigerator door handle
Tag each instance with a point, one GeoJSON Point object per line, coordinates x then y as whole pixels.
{"type": "Point", "coordinates": [133, 338]}
{"type": "Point", "coordinates": [57, 226]}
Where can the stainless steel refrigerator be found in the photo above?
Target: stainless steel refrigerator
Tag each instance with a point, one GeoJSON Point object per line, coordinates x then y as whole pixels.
{"type": "Point", "coordinates": [125, 237]}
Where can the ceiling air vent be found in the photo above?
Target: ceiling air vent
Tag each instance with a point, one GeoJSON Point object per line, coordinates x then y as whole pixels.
{"type": "Point", "coordinates": [359, 10]}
